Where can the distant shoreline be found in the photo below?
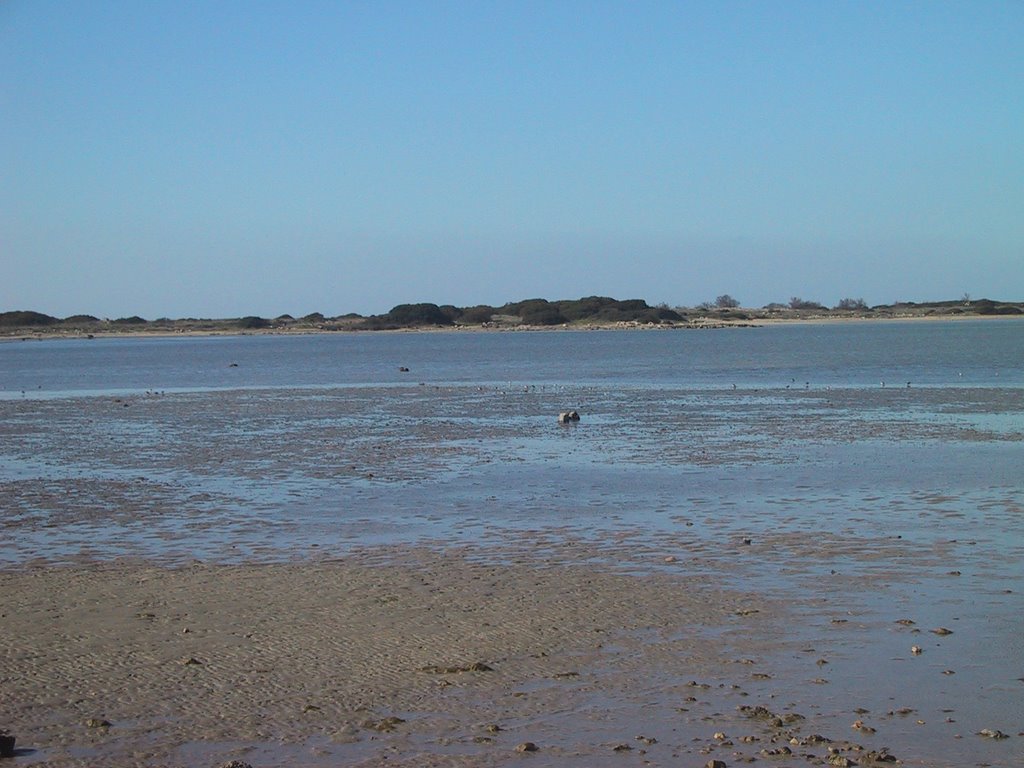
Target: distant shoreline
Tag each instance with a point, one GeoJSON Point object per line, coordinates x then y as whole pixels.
{"type": "Point", "coordinates": [587, 313]}
{"type": "Point", "coordinates": [47, 333]}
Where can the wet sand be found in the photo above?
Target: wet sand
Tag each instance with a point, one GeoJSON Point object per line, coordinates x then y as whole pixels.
{"type": "Point", "coordinates": [426, 656]}
{"type": "Point", "coordinates": [418, 657]}
{"type": "Point", "coordinates": [430, 589]}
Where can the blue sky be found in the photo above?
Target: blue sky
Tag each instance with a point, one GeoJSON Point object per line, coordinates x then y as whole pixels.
{"type": "Point", "coordinates": [219, 159]}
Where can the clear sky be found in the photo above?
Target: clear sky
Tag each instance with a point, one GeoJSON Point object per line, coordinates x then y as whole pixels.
{"type": "Point", "coordinates": [219, 159]}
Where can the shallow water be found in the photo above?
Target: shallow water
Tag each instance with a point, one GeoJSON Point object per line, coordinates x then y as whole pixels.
{"type": "Point", "coordinates": [856, 503]}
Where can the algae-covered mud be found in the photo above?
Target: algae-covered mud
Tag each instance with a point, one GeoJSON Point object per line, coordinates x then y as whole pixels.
{"type": "Point", "coordinates": [439, 573]}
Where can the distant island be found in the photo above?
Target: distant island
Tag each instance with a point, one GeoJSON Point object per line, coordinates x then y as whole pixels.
{"type": "Point", "coordinates": [587, 312]}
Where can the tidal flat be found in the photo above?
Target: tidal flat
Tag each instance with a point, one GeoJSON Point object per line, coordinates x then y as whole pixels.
{"type": "Point", "coordinates": [439, 575]}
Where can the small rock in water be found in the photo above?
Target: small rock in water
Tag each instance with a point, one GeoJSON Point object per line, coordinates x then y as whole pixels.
{"type": "Point", "coordinates": [527, 746]}
{"type": "Point", "coordinates": [881, 756]}
{"type": "Point", "coordinates": [993, 733]}
{"type": "Point", "coordinates": [97, 722]}
{"type": "Point", "coordinates": [942, 631]}
{"type": "Point", "coordinates": [715, 764]}
{"type": "Point", "coordinates": [917, 650]}
{"type": "Point", "coordinates": [567, 417]}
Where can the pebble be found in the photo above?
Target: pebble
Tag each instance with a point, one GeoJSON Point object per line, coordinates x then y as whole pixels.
{"type": "Point", "coordinates": [386, 725]}
{"type": "Point", "coordinates": [527, 746]}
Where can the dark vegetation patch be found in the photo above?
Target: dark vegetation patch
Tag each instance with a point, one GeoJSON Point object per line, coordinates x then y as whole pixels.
{"type": "Point", "coordinates": [586, 311]}
{"type": "Point", "coordinates": [25, 319]}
